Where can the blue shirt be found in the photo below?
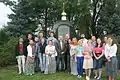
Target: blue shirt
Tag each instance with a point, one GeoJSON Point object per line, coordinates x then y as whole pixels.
{"type": "Point", "coordinates": [53, 40]}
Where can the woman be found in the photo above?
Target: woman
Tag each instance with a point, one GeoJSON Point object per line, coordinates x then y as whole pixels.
{"type": "Point", "coordinates": [88, 61]}
{"type": "Point", "coordinates": [110, 54]}
{"type": "Point", "coordinates": [20, 56]}
{"type": "Point", "coordinates": [105, 41]}
{"type": "Point", "coordinates": [73, 51]}
{"type": "Point", "coordinates": [98, 61]}
{"type": "Point", "coordinates": [79, 59]}
{"type": "Point", "coordinates": [42, 56]}
{"type": "Point", "coordinates": [30, 58]}
{"type": "Point", "coordinates": [50, 52]}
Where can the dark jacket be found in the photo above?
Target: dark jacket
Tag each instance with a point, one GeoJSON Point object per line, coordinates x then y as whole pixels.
{"type": "Point", "coordinates": [17, 50]}
{"type": "Point", "coordinates": [42, 47]}
{"type": "Point", "coordinates": [26, 43]}
{"type": "Point", "coordinates": [63, 49]}
{"type": "Point", "coordinates": [57, 46]}
{"type": "Point", "coordinates": [67, 46]}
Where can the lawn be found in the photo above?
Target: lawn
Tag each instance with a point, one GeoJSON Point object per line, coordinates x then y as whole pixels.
{"type": "Point", "coordinates": [10, 73]}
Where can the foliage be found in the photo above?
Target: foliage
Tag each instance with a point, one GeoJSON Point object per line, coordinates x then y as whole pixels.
{"type": "Point", "coordinates": [88, 16]}
{"type": "Point", "coordinates": [7, 52]}
{"type": "Point", "coordinates": [109, 19]}
{"type": "Point", "coordinates": [96, 7]}
{"type": "Point", "coordinates": [4, 37]}
{"type": "Point", "coordinates": [29, 14]}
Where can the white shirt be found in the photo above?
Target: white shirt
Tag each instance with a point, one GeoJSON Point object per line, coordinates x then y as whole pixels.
{"type": "Point", "coordinates": [73, 50]}
{"type": "Point", "coordinates": [61, 44]}
{"type": "Point", "coordinates": [51, 50]}
{"type": "Point", "coordinates": [110, 50]}
{"type": "Point", "coordinates": [85, 42]}
{"type": "Point", "coordinates": [29, 50]}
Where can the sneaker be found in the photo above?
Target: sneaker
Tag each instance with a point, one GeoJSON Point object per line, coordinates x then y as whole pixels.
{"type": "Point", "coordinates": [71, 73]}
{"type": "Point", "coordinates": [79, 76]}
{"type": "Point", "coordinates": [95, 77]}
{"type": "Point", "coordinates": [45, 73]}
{"type": "Point", "coordinates": [87, 78]}
{"type": "Point", "coordinates": [74, 74]}
{"type": "Point", "coordinates": [98, 78]}
{"type": "Point", "coordinates": [19, 73]}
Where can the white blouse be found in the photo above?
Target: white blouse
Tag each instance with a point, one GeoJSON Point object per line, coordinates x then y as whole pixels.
{"type": "Point", "coordinates": [29, 50]}
{"type": "Point", "coordinates": [73, 50]}
{"type": "Point", "coordinates": [110, 50]}
{"type": "Point", "coordinates": [85, 42]}
{"type": "Point", "coordinates": [51, 50]}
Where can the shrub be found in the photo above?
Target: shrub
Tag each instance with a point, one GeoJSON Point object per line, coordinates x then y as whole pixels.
{"type": "Point", "coordinates": [7, 52]}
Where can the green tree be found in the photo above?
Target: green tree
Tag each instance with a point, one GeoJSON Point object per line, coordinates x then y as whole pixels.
{"type": "Point", "coordinates": [109, 19]}
{"type": "Point", "coordinates": [4, 37]}
{"type": "Point", "coordinates": [28, 14]}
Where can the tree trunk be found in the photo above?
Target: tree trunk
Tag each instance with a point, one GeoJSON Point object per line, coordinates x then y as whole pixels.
{"type": "Point", "coordinates": [45, 28]}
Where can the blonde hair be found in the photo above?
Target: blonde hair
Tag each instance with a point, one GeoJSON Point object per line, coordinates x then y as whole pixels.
{"type": "Point", "coordinates": [79, 42]}
{"type": "Point", "coordinates": [89, 41]}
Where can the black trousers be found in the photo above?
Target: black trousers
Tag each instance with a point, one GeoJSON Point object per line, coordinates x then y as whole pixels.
{"type": "Point", "coordinates": [67, 63]}
{"type": "Point", "coordinates": [61, 62]}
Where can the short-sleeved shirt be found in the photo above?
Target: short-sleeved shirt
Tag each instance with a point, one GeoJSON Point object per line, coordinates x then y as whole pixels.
{"type": "Point", "coordinates": [80, 51]}
{"type": "Point", "coordinates": [73, 49]}
{"type": "Point", "coordinates": [98, 51]}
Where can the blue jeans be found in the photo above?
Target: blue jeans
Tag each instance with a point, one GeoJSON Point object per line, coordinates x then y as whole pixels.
{"type": "Point", "coordinates": [80, 65]}
{"type": "Point", "coordinates": [36, 63]}
{"type": "Point", "coordinates": [42, 58]}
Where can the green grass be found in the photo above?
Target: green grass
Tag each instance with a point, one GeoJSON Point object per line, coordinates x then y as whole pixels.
{"type": "Point", "coordinates": [10, 73]}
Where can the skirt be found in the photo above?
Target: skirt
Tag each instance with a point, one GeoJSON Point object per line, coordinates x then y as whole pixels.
{"type": "Point", "coordinates": [112, 67]}
{"type": "Point", "coordinates": [29, 68]}
{"type": "Point", "coordinates": [98, 64]}
{"type": "Point", "coordinates": [88, 63]}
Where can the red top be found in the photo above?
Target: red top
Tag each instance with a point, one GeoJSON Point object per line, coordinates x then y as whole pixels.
{"type": "Point", "coordinates": [21, 48]}
{"type": "Point", "coordinates": [98, 51]}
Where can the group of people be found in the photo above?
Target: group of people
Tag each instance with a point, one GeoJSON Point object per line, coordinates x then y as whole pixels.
{"type": "Point", "coordinates": [65, 54]}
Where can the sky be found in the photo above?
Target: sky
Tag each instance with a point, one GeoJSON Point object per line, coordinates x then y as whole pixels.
{"type": "Point", "coordinates": [4, 11]}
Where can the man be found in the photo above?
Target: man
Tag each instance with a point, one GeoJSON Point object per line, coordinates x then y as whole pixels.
{"type": "Point", "coordinates": [42, 56]}
{"type": "Point", "coordinates": [52, 37]}
{"type": "Point", "coordinates": [67, 52]}
{"type": "Point", "coordinates": [61, 54]}
{"type": "Point", "coordinates": [84, 40]}
{"type": "Point", "coordinates": [41, 34]}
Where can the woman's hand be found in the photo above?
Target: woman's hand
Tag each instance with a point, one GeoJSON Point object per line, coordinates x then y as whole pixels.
{"type": "Point", "coordinates": [108, 58]}
{"type": "Point", "coordinates": [75, 60]}
{"type": "Point", "coordinates": [96, 57]}
{"type": "Point", "coordinates": [16, 57]}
